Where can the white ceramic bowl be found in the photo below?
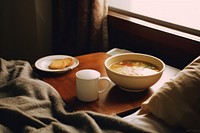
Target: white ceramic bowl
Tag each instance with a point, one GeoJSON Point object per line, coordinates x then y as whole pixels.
{"type": "Point", "coordinates": [134, 83]}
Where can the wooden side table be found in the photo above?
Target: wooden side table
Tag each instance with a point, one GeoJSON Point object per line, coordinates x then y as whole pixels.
{"type": "Point", "coordinates": [112, 101]}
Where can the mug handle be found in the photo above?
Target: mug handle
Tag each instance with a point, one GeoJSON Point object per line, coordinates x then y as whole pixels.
{"type": "Point", "coordinates": [108, 84]}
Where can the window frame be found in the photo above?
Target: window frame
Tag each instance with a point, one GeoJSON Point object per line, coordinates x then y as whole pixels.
{"type": "Point", "coordinates": [164, 26]}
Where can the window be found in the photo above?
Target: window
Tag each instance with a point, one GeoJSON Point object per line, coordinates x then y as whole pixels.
{"type": "Point", "coordinates": [182, 15]}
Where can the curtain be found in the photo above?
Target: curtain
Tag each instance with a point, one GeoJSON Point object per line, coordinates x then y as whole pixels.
{"type": "Point", "coordinates": [79, 26]}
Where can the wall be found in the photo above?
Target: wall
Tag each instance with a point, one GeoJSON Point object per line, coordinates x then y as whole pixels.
{"type": "Point", "coordinates": [25, 29]}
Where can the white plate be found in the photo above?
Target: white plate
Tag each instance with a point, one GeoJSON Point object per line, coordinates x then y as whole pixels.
{"type": "Point", "coordinates": [43, 63]}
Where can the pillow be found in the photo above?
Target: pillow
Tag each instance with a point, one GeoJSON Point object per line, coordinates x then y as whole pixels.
{"type": "Point", "coordinates": [177, 102]}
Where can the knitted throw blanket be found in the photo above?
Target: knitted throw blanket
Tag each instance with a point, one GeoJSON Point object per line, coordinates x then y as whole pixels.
{"type": "Point", "coordinates": [28, 104]}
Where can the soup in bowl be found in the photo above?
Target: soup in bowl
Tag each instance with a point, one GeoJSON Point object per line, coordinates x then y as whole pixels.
{"type": "Point", "coordinates": [134, 71]}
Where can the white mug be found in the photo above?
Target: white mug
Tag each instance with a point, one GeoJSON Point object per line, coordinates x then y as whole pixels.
{"type": "Point", "coordinates": [87, 85]}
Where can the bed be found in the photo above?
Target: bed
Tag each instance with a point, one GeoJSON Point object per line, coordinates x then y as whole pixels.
{"type": "Point", "coordinates": [28, 104]}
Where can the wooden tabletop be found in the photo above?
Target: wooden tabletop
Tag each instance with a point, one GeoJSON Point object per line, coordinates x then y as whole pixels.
{"type": "Point", "coordinates": [112, 101]}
